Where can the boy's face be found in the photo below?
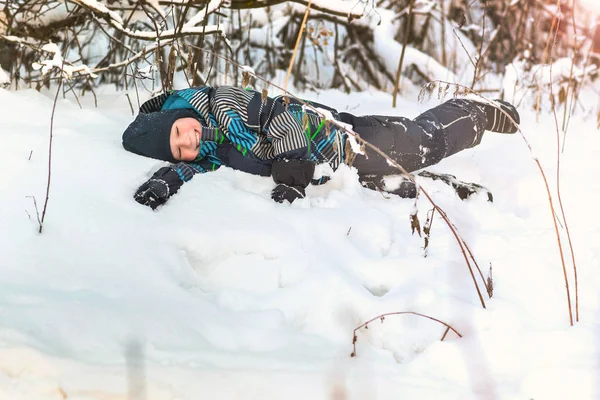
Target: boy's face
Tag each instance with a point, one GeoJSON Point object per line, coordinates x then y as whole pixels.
{"type": "Point", "coordinates": [185, 139]}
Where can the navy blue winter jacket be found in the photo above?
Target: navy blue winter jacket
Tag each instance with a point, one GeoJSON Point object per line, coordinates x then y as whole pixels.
{"type": "Point", "coordinates": [249, 133]}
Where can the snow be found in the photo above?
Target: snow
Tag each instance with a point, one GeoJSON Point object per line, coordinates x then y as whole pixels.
{"type": "Point", "coordinates": [58, 62]}
{"type": "Point", "coordinates": [44, 14]}
{"type": "Point", "coordinates": [261, 37]}
{"type": "Point", "coordinates": [102, 9]}
{"type": "Point", "coordinates": [203, 12]}
{"type": "Point", "coordinates": [390, 51]}
{"type": "Point", "coordinates": [248, 69]}
{"type": "Point", "coordinates": [222, 293]}
{"type": "Point", "coordinates": [223, 286]}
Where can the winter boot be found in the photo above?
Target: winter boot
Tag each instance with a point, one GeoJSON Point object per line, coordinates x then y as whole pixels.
{"type": "Point", "coordinates": [404, 188]}
{"type": "Point", "coordinates": [462, 189]}
{"type": "Point", "coordinates": [497, 121]}
{"type": "Point", "coordinates": [407, 189]}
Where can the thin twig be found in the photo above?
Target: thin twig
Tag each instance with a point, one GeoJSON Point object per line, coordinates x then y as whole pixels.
{"type": "Point", "coordinates": [36, 211]}
{"type": "Point", "coordinates": [480, 55]}
{"type": "Point", "coordinates": [474, 262]}
{"type": "Point", "coordinates": [137, 93]}
{"type": "Point", "coordinates": [464, 48]}
{"type": "Point", "coordinates": [445, 333]}
{"type": "Point", "coordinates": [558, 195]}
{"type": "Point", "coordinates": [401, 61]}
{"type": "Point", "coordinates": [300, 32]}
{"type": "Point", "coordinates": [130, 105]}
{"type": "Point", "coordinates": [567, 118]}
{"type": "Point", "coordinates": [545, 57]}
{"type": "Point", "coordinates": [50, 143]}
{"type": "Point", "coordinates": [545, 179]}
{"type": "Point", "coordinates": [74, 94]}
{"type": "Point", "coordinates": [382, 317]}
{"type": "Point", "coordinates": [461, 245]}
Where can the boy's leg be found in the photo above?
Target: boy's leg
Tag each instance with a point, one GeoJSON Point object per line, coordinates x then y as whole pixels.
{"type": "Point", "coordinates": [437, 133]}
{"type": "Point", "coordinates": [459, 122]}
{"type": "Point", "coordinates": [401, 186]}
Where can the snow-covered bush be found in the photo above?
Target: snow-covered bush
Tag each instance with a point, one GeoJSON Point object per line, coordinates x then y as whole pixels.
{"type": "Point", "coordinates": [346, 44]}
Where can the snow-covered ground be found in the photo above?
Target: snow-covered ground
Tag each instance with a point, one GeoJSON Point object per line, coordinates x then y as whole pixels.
{"type": "Point", "coordinates": [224, 294]}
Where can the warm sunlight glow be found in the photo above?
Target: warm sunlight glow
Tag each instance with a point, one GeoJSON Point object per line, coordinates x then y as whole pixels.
{"type": "Point", "coordinates": [593, 6]}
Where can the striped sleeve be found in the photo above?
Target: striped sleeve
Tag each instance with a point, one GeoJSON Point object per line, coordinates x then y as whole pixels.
{"type": "Point", "coordinates": [234, 108]}
{"type": "Point", "coordinates": [230, 108]}
{"type": "Point", "coordinates": [287, 135]}
{"type": "Point", "coordinates": [187, 170]}
{"type": "Point", "coordinates": [206, 161]}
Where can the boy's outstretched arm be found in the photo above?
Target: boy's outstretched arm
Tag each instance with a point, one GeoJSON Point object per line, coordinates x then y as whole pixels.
{"type": "Point", "coordinates": [165, 182]}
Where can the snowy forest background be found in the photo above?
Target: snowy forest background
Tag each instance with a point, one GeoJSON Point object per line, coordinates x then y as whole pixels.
{"type": "Point", "coordinates": [347, 45]}
{"type": "Point", "coordinates": [348, 293]}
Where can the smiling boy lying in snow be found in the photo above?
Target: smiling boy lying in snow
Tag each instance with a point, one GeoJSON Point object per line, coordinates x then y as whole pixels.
{"type": "Point", "coordinates": [199, 129]}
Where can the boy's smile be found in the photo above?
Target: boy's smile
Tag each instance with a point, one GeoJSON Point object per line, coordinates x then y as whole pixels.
{"type": "Point", "coordinates": [185, 137]}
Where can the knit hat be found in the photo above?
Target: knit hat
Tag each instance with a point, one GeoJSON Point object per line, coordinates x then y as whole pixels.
{"type": "Point", "coordinates": [149, 134]}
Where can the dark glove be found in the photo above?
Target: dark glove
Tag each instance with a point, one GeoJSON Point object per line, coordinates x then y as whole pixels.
{"type": "Point", "coordinates": [290, 193]}
{"type": "Point", "coordinates": [292, 177]}
{"type": "Point", "coordinates": [293, 172]}
{"type": "Point", "coordinates": [156, 191]}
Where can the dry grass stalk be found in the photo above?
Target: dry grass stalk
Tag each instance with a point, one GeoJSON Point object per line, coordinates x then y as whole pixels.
{"type": "Point", "coordinates": [554, 27]}
{"type": "Point", "coordinates": [427, 231]}
{"type": "Point", "coordinates": [429, 88]}
{"type": "Point", "coordinates": [490, 282]}
{"type": "Point", "coordinates": [479, 60]}
{"type": "Point", "coordinates": [401, 61]}
{"type": "Point", "coordinates": [62, 393]}
{"type": "Point", "coordinates": [475, 262]}
{"type": "Point", "coordinates": [300, 32]}
{"type": "Point", "coordinates": [415, 224]}
{"type": "Point", "coordinates": [550, 198]}
{"type": "Point", "coordinates": [60, 82]}
{"type": "Point", "coordinates": [560, 203]}
{"type": "Point", "coordinates": [382, 318]}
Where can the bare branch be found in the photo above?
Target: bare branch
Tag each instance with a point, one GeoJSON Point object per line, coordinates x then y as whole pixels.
{"type": "Point", "coordinates": [115, 21]}
{"type": "Point", "coordinates": [382, 318]}
{"type": "Point", "coordinates": [324, 6]}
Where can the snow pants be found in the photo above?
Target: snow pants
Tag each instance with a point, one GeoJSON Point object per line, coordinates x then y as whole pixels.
{"type": "Point", "coordinates": [444, 130]}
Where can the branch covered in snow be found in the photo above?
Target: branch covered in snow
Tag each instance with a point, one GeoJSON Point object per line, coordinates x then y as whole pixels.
{"type": "Point", "coordinates": [348, 9]}
{"type": "Point", "coordinates": [102, 12]}
{"type": "Point", "coordinates": [57, 61]}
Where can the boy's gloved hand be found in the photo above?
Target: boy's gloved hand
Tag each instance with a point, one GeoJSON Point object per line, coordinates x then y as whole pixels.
{"type": "Point", "coordinates": [290, 193]}
{"type": "Point", "coordinates": [156, 191]}
{"type": "Point", "coordinates": [292, 178]}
